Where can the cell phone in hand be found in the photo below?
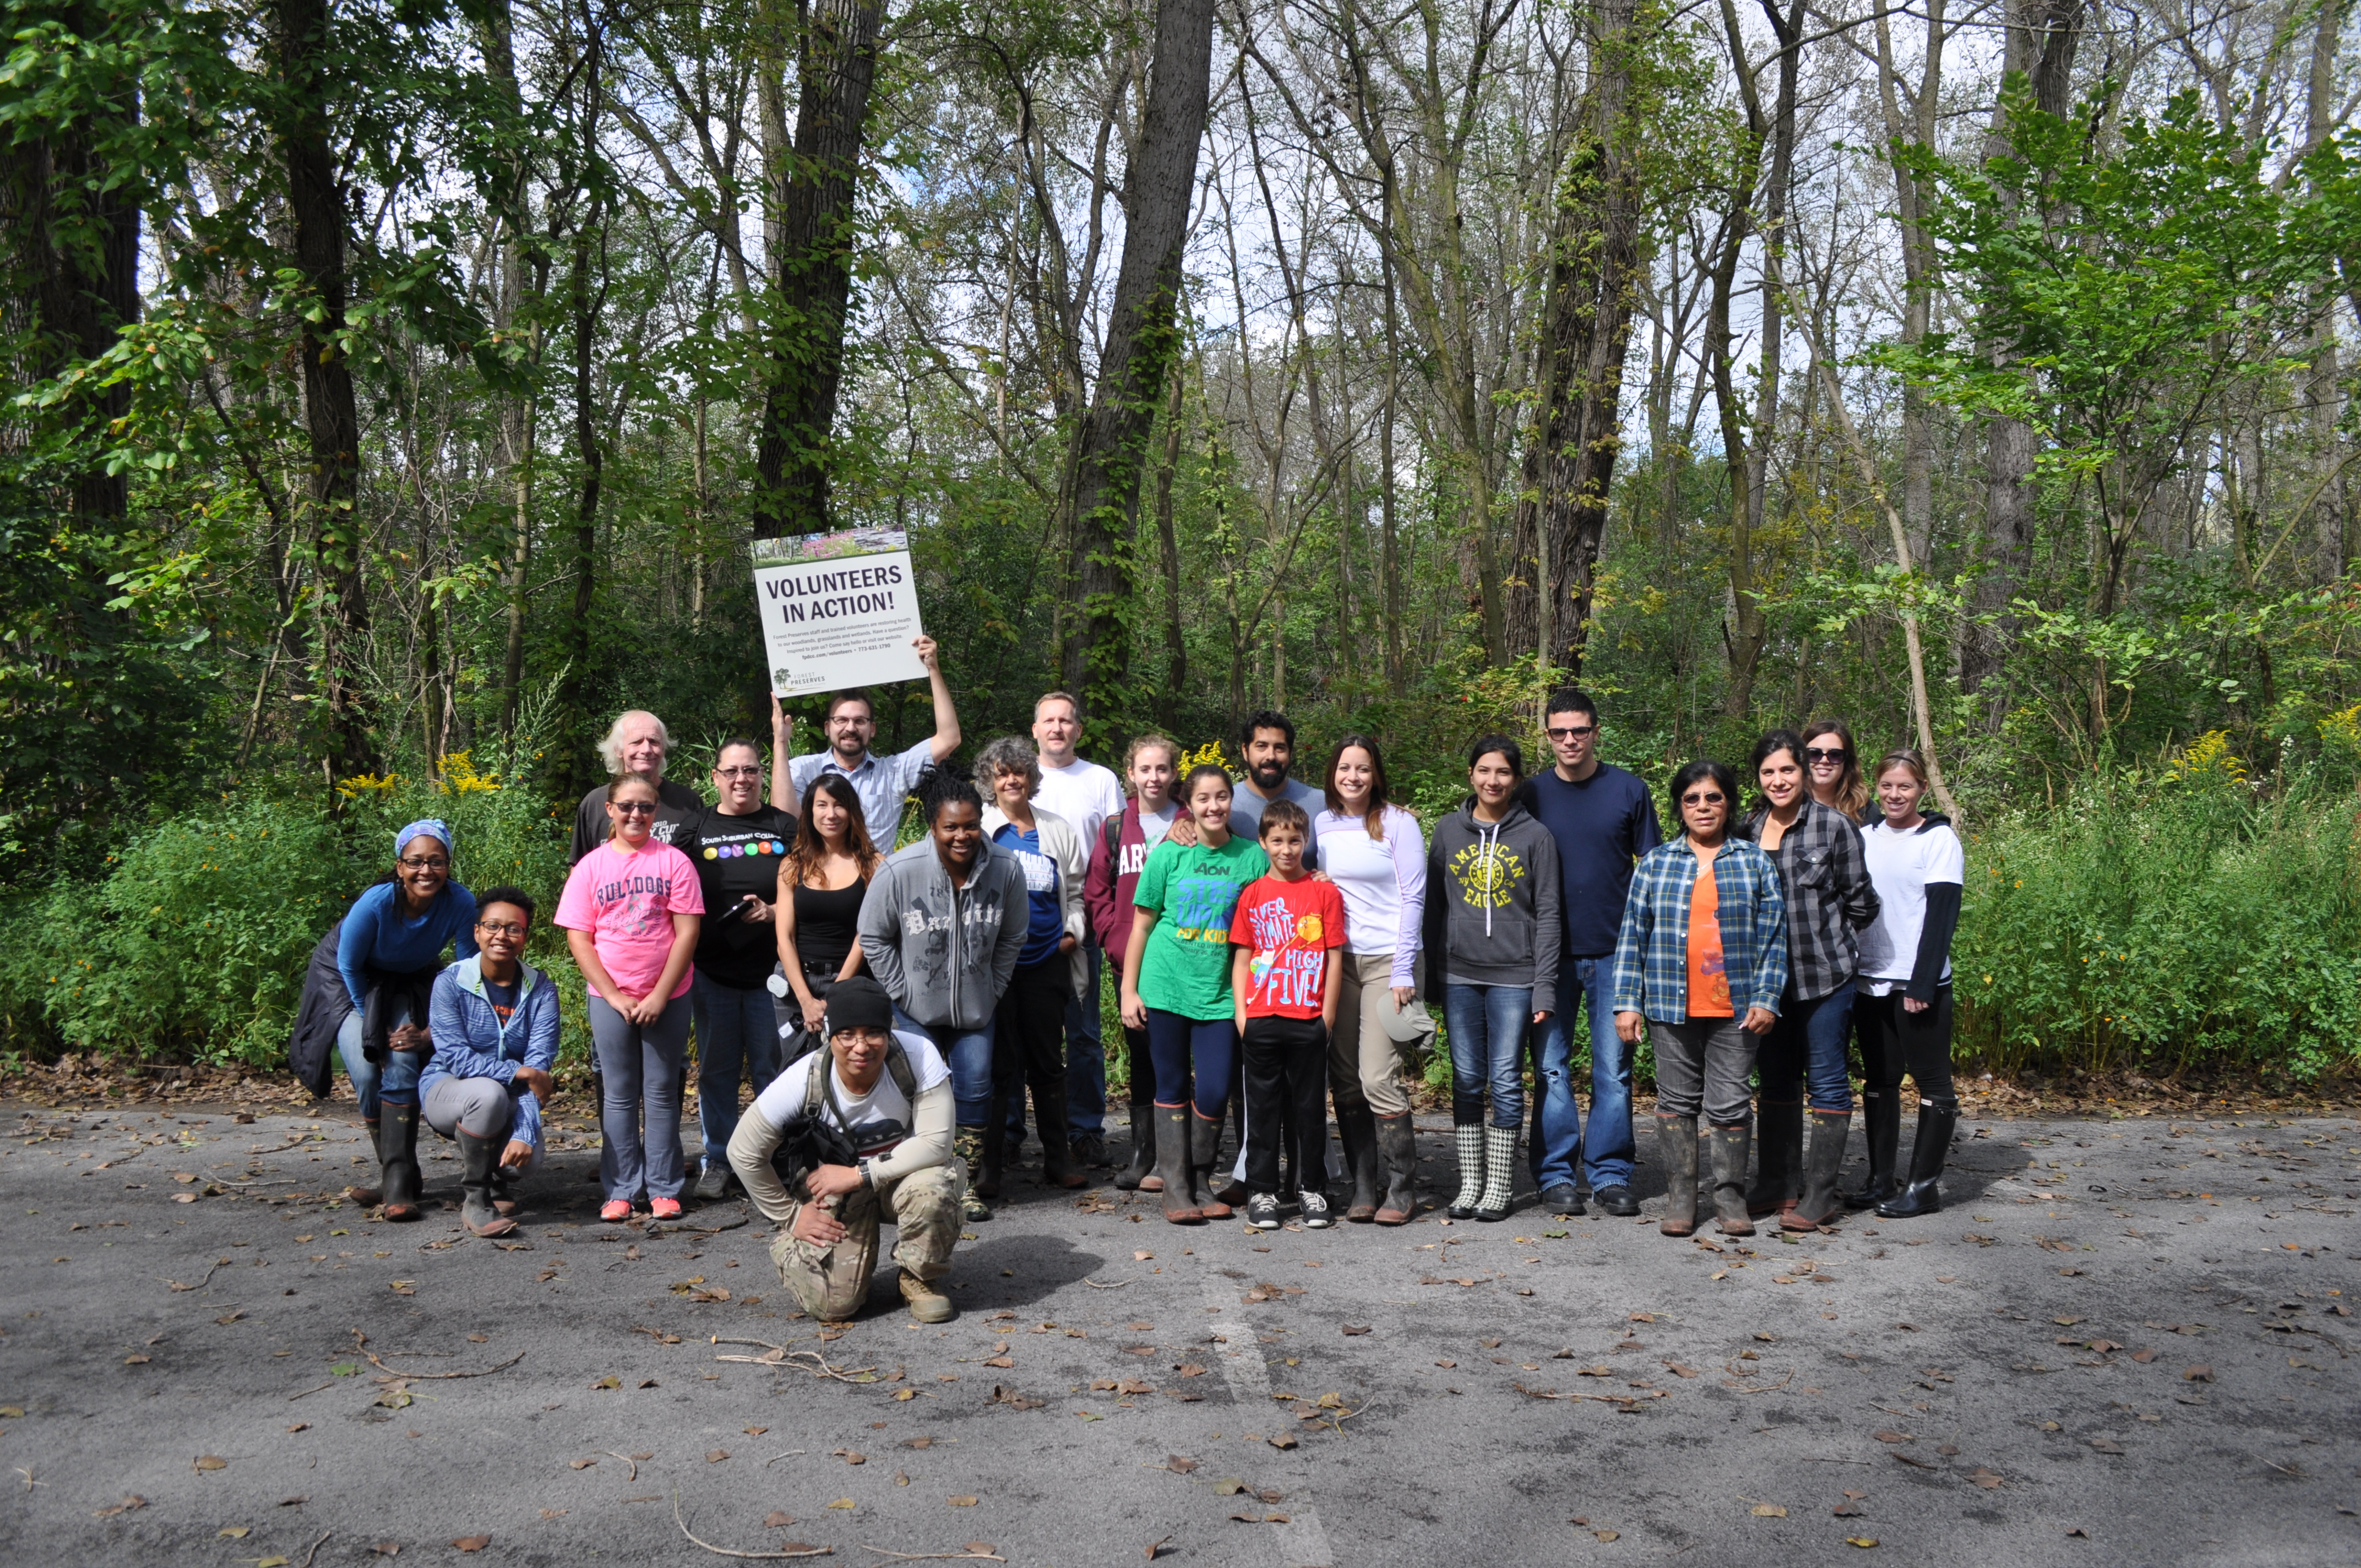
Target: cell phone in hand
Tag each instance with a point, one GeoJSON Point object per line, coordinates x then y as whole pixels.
{"type": "Point", "coordinates": [735, 912]}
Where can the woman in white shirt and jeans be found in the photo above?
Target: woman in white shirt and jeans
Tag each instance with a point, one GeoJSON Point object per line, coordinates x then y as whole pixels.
{"type": "Point", "coordinates": [1373, 852]}
{"type": "Point", "coordinates": [1904, 1021]}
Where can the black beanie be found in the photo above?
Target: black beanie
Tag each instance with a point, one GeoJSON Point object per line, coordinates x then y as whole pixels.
{"type": "Point", "coordinates": [858, 1002]}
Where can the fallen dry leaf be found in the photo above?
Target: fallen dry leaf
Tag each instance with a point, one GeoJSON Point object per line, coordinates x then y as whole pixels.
{"type": "Point", "coordinates": [1228, 1487]}
{"type": "Point", "coordinates": [212, 1462]}
{"type": "Point", "coordinates": [237, 1531]}
{"type": "Point", "coordinates": [1891, 1436]}
{"type": "Point", "coordinates": [2106, 1445]}
{"type": "Point", "coordinates": [842, 1503]}
{"type": "Point", "coordinates": [955, 1502]}
{"type": "Point", "coordinates": [1863, 1541]}
{"type": "Point", "coordinates": [609, 1381]}
{"type": "Point", "coordinates": [581, 1463]}
{"type": "Point", "coordinates": [1769, 1511]}
{"type": "Point", "coordinates": [774, 1519]}
{"type": "Point", "coordinates": [714, 1456]}
{"type": "Point", "coordinates": [1284, 1439]}
{"type": "Point", "coordinates": [1353, 1329]}
{"type": "Point", "coordinates": [2198, 1375]}
{"type": "Point", "coordinates": [1607, 1534]}
{"type": "Point", "coordinates": [1179, 1464]}
{"type": "Point", "coordinates": [1986, 1479]}
{"type": "Point", "coordinates": [472, 1542]}
{"type": "Point", "coordinates": [1000, 1361]}
{"type": "Point", "coordinates": [756, 1432]}
{"type": "Point", "coordinates": [300, 1425]}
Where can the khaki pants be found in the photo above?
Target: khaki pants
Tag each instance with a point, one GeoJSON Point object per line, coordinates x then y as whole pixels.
{"type": "Point", "coordinates": [833, 1282]}
{"type": "Point", "coordinates": [1363, 1063]}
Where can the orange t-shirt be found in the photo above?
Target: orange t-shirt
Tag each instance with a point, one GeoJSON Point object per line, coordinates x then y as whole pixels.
{"type": "Point", "coordinates": [1708, 976]}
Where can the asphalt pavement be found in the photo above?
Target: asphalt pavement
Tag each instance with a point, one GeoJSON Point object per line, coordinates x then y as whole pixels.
{"type": "Point", "coordinates": [2123, 1341]}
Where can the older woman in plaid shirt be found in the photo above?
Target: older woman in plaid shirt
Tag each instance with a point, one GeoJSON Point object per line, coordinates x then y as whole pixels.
{"type": "Point", "coordinates": [1700, 965]}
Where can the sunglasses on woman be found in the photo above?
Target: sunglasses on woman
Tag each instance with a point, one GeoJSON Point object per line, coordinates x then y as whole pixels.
{"type": "Point", "coordinates": [1819, 755]}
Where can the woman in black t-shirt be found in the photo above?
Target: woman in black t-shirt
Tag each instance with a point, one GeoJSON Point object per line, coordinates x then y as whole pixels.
{"type": "Point", "coordinates": [737, 847]}
{"type": "Point", "coordinates": [821, 883]}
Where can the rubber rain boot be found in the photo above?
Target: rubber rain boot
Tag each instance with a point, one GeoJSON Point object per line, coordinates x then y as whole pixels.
{"type": "Point", "coordinates": [1499, 1173]}
{"type": "Point", "coordinates": [1205, 1149]}
{"type": "Point", "coordinates": [1056, 1153]}
{"type": "Point", "coordinates": [1398, 1152]}
{"type": "Point", "coordinates": [1143, 1149]}
{"type": "Point", "coordinates": [397, 1157]}
{"type": "Point", "coordinates": [1467, 1139]}
{"type": "Point", "coordinates": [1676, 1141]}
{"type": "Point", "coordinates": [1825, 1135]}
{"type": "Point", "coordinates": [1935, 1124]}
{"type": "Point", "coordinates": [1172, 1164]}
{"type": "Point", "coordinates": [1775, 1188]}
{"type": "Point", "coordinates": [1356, 1129]}
{"type": "Point", "coordinates": [1730, 1180]}
{"type": "Point", "coordinates": [1881, 1130]}
{"type": "Point", "coordinates": [478, 1157]}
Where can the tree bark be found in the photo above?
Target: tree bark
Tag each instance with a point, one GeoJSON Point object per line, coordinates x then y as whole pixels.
{"type": "Point", "coordinates": [1586, 331]}
{"type": "Point", "coordinates": [1107, 460]}
{"type": "Point", "coordinates": [2042, 36]}
{"type": "Point", "coordinates": [837, 62]}
{"type": "Point", "coordinates": [316, 209]}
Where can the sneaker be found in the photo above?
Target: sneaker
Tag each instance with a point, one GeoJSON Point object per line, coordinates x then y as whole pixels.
{"type": "Point", "coordinates": [614, 1211]}
{"type": "Point", "coordinates": [714, 1181]}
{"type": "Point", "coordinates": [664, 1208]}
{"type": "Point", "coordinates": [1090, 1151]}
{"type": "Point", "coordinates": [1262, 1211]}
{"type": "Point", "coordinates": [1315, 1211]}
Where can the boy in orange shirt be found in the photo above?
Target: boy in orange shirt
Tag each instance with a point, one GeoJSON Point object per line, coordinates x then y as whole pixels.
{"type": "Point", "coordinates": [1286, 936]}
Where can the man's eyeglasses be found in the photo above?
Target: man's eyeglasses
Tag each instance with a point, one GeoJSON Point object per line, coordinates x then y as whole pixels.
{"type": "Point", "coordinates": [1822, 755]}
{"type": "Point", "coordinates": [1574, 732]}
{"type": "Point", "coordinates": [1716, 798]}
{"type": "Point", "coordinates": [501, 928]}
{"type": "Point", "coordinates": [425, 863]}
{"type": "Point", "coordinates": [633, 807]}
{"type": "Point", "coordinates": [741, 772]}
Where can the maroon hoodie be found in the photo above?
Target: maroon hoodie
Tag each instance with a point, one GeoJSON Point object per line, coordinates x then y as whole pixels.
{"type": "Point", "coordinates": [1118, 852]}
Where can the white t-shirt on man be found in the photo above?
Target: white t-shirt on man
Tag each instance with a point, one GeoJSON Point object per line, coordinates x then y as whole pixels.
{"type": "Point", "coordinates": [874, 1123]}
{"type": "Point", "coordinates": [1084, 794]}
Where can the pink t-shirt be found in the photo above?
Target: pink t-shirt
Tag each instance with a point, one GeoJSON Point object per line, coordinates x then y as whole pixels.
{"type": "Point", "coordinates": [627, 901]}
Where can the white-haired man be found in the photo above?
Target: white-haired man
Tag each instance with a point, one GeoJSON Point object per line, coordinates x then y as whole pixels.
{"type": "Point", "coordinates": [637, 744]}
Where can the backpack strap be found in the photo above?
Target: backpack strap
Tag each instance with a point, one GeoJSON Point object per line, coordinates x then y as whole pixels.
{"type": "Point", "coordinates": [897, 1062]}
{"type": "Point", "coordinates": [822, 1090]}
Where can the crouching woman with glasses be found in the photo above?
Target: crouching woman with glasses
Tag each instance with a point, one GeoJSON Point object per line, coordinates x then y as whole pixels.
{"type": "Point", "coordinates": [495, 1023]}
{"type": "Point", "coordinates": [1699, 965]}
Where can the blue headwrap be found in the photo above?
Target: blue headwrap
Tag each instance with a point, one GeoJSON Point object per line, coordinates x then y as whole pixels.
{"type": "Point", "coordinates": [424, 827]}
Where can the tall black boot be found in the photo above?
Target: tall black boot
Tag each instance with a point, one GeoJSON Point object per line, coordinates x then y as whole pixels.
{"type": "Point", "coordinates": [397, 1157]}
{"type": "Point", "coordinates": [1936, 1124]}
{"type": "Point", "coordinates": [1057, 1155]}
{"type": "Point", "coordinates": [1397, 1151]}
{"type": "Point", "coordinates": [1143, 1149]}
{"type": "Point", "coordinates": [1778, 1157]}
{"type": "Point", "coordinates": [478, 1158]}
{"type": "Point", "coordinates": [1357, 1127]}
{"type": "Point", "coordinates": [1881, 1129]}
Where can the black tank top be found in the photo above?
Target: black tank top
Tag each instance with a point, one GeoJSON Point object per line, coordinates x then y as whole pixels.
{"type": "Point", "coordinates": [825, 923]}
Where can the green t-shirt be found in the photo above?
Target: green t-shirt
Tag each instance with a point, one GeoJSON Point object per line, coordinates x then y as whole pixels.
{"type": "Point", "coordinates": [1193, 889]}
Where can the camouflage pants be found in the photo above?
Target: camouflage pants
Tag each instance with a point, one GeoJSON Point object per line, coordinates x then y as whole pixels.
{"type": "Point", "coordinates": [833, 1282]}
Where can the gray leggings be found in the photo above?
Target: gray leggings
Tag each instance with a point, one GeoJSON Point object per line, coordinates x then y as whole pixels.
{"type": "Point", "coordinates": [641, 1067]}
{"type": "Point", "coordinates": [481, 1105]}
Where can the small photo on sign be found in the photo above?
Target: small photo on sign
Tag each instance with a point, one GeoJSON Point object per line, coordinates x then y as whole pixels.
{"type": "Point", "coordinates": [839, 609]}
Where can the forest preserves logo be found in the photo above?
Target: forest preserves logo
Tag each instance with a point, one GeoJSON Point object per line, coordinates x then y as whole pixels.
{"type": "Point", "coordinates": [1488, 874]}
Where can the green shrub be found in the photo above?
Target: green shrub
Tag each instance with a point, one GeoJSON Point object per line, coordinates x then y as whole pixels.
{"type": "Point", "coordinates": [2185, 924]}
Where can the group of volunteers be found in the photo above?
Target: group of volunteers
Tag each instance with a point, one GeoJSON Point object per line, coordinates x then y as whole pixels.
{"type": "Point", "coordinates": [1275, 945]}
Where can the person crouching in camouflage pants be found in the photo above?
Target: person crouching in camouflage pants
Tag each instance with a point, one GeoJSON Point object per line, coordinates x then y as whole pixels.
{"type": "Point", "coordinates": [864, 1130]}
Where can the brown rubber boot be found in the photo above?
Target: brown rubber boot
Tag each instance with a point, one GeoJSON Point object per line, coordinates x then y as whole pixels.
{"type": "Point", "coordinates": [1824, 1148]}
{"type": "Point", "coordinates": [1205, 1149]}
{"type": "Point", "coordinates": [478, 1157]}
{"type": "Point", "coordinates": [1356, 1128]}
{"type": "Point", "coordinates": [1398, 1150]}
{"type": "Point", "coordinates": [1730, 1180]}
{"type": "Point", "coordinates": [399, 1178]}
{"type": "Point", "coordinates": [1172, 1165]}
{"type": "Point", "coordinates": [1676, 1141]}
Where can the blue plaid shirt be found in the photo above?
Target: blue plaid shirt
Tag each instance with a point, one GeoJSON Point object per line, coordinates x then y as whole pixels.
{"type": "Point", "coordinates": [1652, 957]}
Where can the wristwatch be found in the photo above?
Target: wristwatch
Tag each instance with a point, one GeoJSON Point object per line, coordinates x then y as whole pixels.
{"type": "Point", "coordinates": [868, 1177]}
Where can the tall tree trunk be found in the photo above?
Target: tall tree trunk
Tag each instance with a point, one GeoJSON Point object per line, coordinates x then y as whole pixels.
{"type": "Point", "coordinates": [1176, 647]}
{"type": "Point", "coordinates": [523, 278]}
{"type": "Point", "coordinates": [2042, 36]}
{"type": "Point", "coordinates": [316, 209]}
{"type": "Point", "coordinates": [813, 267]}
{"type": "Point", "coordinates": [573, 774]}
{"type": "Point", "coordinates": [1389, 541]}
{"type": "Point", "coordinates": [1107, 461]}
{"type": "Point", "coordinates": [1585, 331]}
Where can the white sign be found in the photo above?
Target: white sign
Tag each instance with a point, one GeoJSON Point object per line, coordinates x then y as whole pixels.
{"type": "Point", "coordinates": [839, 609]}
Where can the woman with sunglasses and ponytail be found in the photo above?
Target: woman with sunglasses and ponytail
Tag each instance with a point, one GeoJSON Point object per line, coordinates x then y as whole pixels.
{"type": "Point", "coordinates": [1832, 770]}
{"type": "Point", "coordinates": [1904, 1018]}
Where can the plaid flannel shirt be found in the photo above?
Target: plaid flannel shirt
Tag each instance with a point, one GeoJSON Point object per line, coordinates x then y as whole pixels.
{"type": "Point", "coordinates": [1824, 872]}
{"type": "Point", "coordinates": [1652, 957]}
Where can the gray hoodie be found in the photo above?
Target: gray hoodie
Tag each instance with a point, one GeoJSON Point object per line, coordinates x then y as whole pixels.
{"type": "Point", "coordinates": [944, 954]}
{"type": "Point", "coordinates": [1493, 902]}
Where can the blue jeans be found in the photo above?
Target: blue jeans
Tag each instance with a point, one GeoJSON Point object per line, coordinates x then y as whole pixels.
{"type": "Point", "coordinates": [398, 1077]}
{"type": "Point", "coordinates": [1560, 1143]}
{"type": "Point", "coordinates": [968, 1052]}
{"type": "Point", "coordinates": [1086, 1053]}
{"type": "Point", "coordinates": [1186, 1047]}
{"type": "Point", "coordinates": [737, 1032]}
{"type": "Point", "coordinates": [1806, 1049]}
{"type": "Point", "coordinates": [1488, 1025]}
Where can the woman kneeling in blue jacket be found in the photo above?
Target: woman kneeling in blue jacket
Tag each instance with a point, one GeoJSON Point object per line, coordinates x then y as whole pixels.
{"type": "Point", "coordinates": [494, 1019]}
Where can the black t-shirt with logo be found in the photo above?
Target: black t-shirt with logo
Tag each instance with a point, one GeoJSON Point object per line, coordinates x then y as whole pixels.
{"type": "Point", "coordinates": [735, 856]}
